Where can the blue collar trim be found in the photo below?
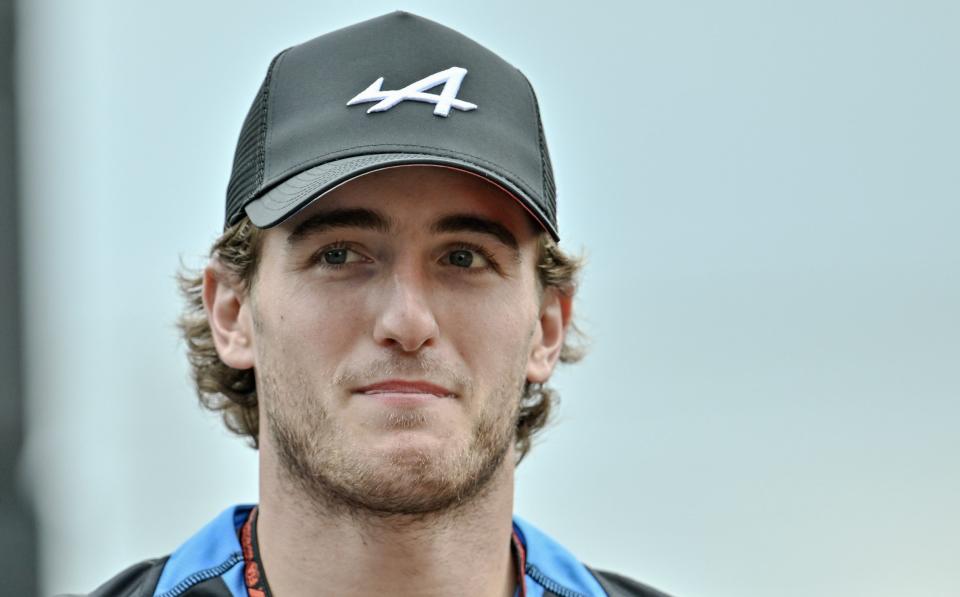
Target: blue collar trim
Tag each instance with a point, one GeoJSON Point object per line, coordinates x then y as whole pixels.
{"type": "Point", "coordinates": [213, 551]}
{"type": "Point", "coordinates": [551, 567]}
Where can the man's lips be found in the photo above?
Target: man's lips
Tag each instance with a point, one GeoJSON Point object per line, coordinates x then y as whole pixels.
{"type": "Point", "coordinates": [404, 387]}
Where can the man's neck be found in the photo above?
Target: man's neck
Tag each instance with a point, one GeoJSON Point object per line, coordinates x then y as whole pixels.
{"type": "Point", "coordinates": [309, 550]}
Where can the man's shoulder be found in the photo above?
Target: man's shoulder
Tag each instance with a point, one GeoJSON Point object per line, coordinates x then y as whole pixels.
{"type": "Point", "coordinates": [141, 580]}
{"type": "Point", "coordinates": [559, 573]}
{"type": "Point", "coordinates": [209, 564]}
{"type": "Point", "coordinates": [136, 581]}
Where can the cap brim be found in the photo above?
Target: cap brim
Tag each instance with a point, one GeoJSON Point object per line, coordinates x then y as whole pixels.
{"type": "Point", "coordinates": [299, 191]}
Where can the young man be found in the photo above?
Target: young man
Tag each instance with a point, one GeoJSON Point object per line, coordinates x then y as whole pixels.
{"type": "Point", "coordinates": [379, 318]}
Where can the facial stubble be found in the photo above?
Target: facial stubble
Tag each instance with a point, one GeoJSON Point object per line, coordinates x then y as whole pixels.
{"type": "Point", "coordinates": [319, 457]}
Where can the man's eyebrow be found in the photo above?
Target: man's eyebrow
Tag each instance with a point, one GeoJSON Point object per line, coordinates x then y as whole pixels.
{"type": "Point", "coordinates": [470, 223]}
{"type": "Point", "coordinates": [367, 219]}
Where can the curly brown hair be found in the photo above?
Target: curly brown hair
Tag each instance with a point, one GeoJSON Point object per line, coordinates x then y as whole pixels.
{"type": "Point", "coordinates": [233, 392]}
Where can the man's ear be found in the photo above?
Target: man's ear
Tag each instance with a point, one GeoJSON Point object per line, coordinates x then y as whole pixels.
{"type": "Point", "coordinates": [549, 335]}
{"type": "Point", "coordinates": [228, 312]}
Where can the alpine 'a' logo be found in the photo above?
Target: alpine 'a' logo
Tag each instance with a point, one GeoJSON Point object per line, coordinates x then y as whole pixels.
{"type": "Point", "coordinates": [451, 79]}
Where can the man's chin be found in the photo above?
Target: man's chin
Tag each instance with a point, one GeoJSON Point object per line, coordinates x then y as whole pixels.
{"type": "Point", "coordinates": [412, 447]}
{"type": "Point", "coordinates": [413, 479]}
{"type": "Point", "coordinates": [418, 478]}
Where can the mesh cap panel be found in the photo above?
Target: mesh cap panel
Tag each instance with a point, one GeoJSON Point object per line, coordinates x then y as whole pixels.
{"type": "Point", "coordinates": [248, 160]}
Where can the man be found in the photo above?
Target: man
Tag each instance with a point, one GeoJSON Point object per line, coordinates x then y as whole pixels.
{"type": "Point", "coordinates": [379, 318]}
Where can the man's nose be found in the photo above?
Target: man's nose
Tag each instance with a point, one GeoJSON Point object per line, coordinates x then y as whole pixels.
{"type": "Point", "coordinates": [406, 319]}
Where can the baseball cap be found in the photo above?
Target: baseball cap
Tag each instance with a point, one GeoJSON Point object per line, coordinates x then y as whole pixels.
{"type": "Point", "coordinates": [395, 90]}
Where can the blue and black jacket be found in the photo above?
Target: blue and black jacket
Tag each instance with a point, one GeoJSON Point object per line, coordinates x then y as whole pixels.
{"type": "Point", "coordinates": [210, 564]}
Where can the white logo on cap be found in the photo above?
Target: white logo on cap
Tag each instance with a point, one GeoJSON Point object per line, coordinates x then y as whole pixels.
{"type": "Point", "coordinates": [451, 79]}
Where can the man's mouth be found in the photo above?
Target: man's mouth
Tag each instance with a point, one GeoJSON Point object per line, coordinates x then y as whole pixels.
{"type": "Point", "coordinates": [405, 388]}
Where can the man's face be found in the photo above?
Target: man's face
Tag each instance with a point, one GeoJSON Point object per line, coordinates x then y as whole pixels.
{"type": "Point", "coordinates": [393, 325]}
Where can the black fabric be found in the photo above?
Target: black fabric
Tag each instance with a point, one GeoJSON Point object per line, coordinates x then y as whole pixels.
{"type": "Point", "coordinates": [621, 586]}
{"type": "Point", "coordinates": [138, 580]}
{"type": "Point", "coordinates": [547, 182]}
{"type": "Point", "coordinates": [213, 587]}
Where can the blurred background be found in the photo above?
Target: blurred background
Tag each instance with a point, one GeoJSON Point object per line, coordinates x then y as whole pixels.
{"type": "Point", "coordinates": [768, 194]}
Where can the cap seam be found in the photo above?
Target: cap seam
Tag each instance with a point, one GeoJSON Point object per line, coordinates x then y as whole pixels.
{"type": "Point", "coordinates": [536, 114]}
{"type": "Point", "coordinates": [268, 120]}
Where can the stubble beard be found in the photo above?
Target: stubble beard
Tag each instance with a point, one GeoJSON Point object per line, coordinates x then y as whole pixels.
{"type": "Point", "coordinates": [316, 454]}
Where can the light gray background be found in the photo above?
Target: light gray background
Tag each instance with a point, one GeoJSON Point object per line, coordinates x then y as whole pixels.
{"type": "Point", "coordinates": [768, 193]}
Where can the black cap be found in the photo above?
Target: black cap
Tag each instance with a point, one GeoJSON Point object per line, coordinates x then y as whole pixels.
{"type": "Point", "coordinates": [395, 90]}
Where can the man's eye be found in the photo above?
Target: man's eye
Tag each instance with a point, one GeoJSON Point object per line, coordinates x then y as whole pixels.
{"type": "Point", "coordinates": [460, 258]}
{"type": "Point", "coordinates": [338, 256]}
{"type": "Point", "coordinates": [468, 258]}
